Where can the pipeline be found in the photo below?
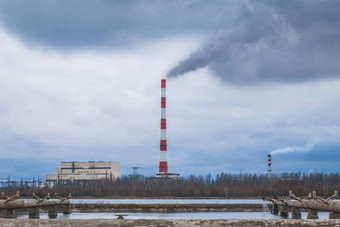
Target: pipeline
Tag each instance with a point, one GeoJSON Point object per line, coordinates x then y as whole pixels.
{"type": "Point", "coordinates": [312, 201]}
{"type": "Point", "coordinates": [7, 203]}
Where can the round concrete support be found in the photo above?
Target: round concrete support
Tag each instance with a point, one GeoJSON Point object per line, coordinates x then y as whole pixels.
{"type": "Point", "coordinates": [67, 209]}
{"type": "Point", "coordinates": [10, 214]}
{"type": "Point", "coordinates": [334, 215]}
{"type": "Point", "coordinates": [296, 213]}
{"type": "Point", "coordinates": [312, 214]}
{"type": "Point", "coordinates": [275, 209]}
{"type": "Point", "coordinates": [34, 213]}
{"type": "Point", "coordinates": [284, 211]}
{"type": "Point", "coordinates": [52, 212]}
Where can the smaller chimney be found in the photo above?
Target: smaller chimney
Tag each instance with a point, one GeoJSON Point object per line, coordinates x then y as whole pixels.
{"type": "Point", "coordinates": [269, 166]}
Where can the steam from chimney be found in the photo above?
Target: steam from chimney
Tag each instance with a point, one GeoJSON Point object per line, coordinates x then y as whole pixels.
{"type": "Point", "coordinates": [272, 42]}
{"type": "Point", "coordinates": [306, 148]}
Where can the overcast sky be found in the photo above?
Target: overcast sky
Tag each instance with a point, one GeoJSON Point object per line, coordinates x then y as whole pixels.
{"type": "Point", "coordinates": [80, 80]}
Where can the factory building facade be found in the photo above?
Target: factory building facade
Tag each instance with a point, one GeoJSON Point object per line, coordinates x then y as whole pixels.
{"type": "Point", "coordinates": [83, 171]}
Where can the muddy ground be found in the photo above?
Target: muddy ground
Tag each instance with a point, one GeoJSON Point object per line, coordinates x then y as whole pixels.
{"type": "Point", "coordinates": [172, 222]}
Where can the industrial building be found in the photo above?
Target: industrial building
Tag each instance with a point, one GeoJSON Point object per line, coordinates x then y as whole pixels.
{"type": "Point", "coordinates": [83, 171]}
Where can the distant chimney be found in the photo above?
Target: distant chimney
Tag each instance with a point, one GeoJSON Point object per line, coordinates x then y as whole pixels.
{"type": "Point", "coordinates": [269, 166]}
{"type": "Point", "coordinates": [163, 163]}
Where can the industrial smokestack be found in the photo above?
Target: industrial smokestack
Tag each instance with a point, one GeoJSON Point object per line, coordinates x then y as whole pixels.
{"type": "Point", "coordinates": [269, 166]}
{"type": "Point", "coordinates": [163, 163]}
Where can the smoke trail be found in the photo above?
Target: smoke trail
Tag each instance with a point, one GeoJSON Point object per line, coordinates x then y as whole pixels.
{"type": "Point", "coordinates": [196, 61]}
{"type": "Point", "coordinates": [285, 150]}
{"type": "Point", "coordinates": [273, 42]}
{"type": "Point", "coordinates": [229, 45]}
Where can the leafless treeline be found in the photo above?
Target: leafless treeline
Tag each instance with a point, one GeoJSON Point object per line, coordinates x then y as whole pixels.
{"type": "Point", "coordinates": [222, 185]}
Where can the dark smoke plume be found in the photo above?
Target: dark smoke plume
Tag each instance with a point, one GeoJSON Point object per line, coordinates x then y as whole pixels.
{"type": "Point", "coordinates": [274, 41]}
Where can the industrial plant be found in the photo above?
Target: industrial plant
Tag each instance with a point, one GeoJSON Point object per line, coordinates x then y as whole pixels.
{"type": "Point", "coordinates": [83, 171]}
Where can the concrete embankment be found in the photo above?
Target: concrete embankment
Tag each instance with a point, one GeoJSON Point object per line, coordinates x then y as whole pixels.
{"type": "Point", "coordinates": [103, 207]}
{"type": "Point", "coordinates": [174, 222]}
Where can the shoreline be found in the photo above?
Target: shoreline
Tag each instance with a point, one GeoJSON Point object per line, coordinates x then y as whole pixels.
{"type": "Point", "coordinates": [112, 208]}
{"type": "Point", "coordinates": [165, 197]}
{"type": "Point", "coordinates": [166, 222]}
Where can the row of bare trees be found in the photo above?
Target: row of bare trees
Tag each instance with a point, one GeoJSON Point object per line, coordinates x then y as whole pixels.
{"type": "Point", "coordinates": [222, 185]}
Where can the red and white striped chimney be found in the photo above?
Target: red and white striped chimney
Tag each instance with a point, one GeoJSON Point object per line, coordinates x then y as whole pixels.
{"type": "Point", "coordinates": [269, 165]}
{"type": "Point", "coordinates": [163, 163]}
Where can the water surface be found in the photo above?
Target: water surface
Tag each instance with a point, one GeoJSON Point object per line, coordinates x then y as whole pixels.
{"type": "Point", "coordinates": [168, 201]}
{"type": "Point", "coordinates": [184, 215]}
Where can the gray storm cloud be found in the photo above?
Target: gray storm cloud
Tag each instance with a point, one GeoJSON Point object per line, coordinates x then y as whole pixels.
{"type": "Point", "coordinates": [274, 41]}
{"type": "Point", "coordinates": [112, 24]}
{"type": "Point", "coordinates": [247, 41]}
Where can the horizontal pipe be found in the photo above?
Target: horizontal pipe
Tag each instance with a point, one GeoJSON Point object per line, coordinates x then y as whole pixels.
{"type": "Point", "coordinates": [311, 204]}
{"type": "Point", "coordinates": [19, 204]}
